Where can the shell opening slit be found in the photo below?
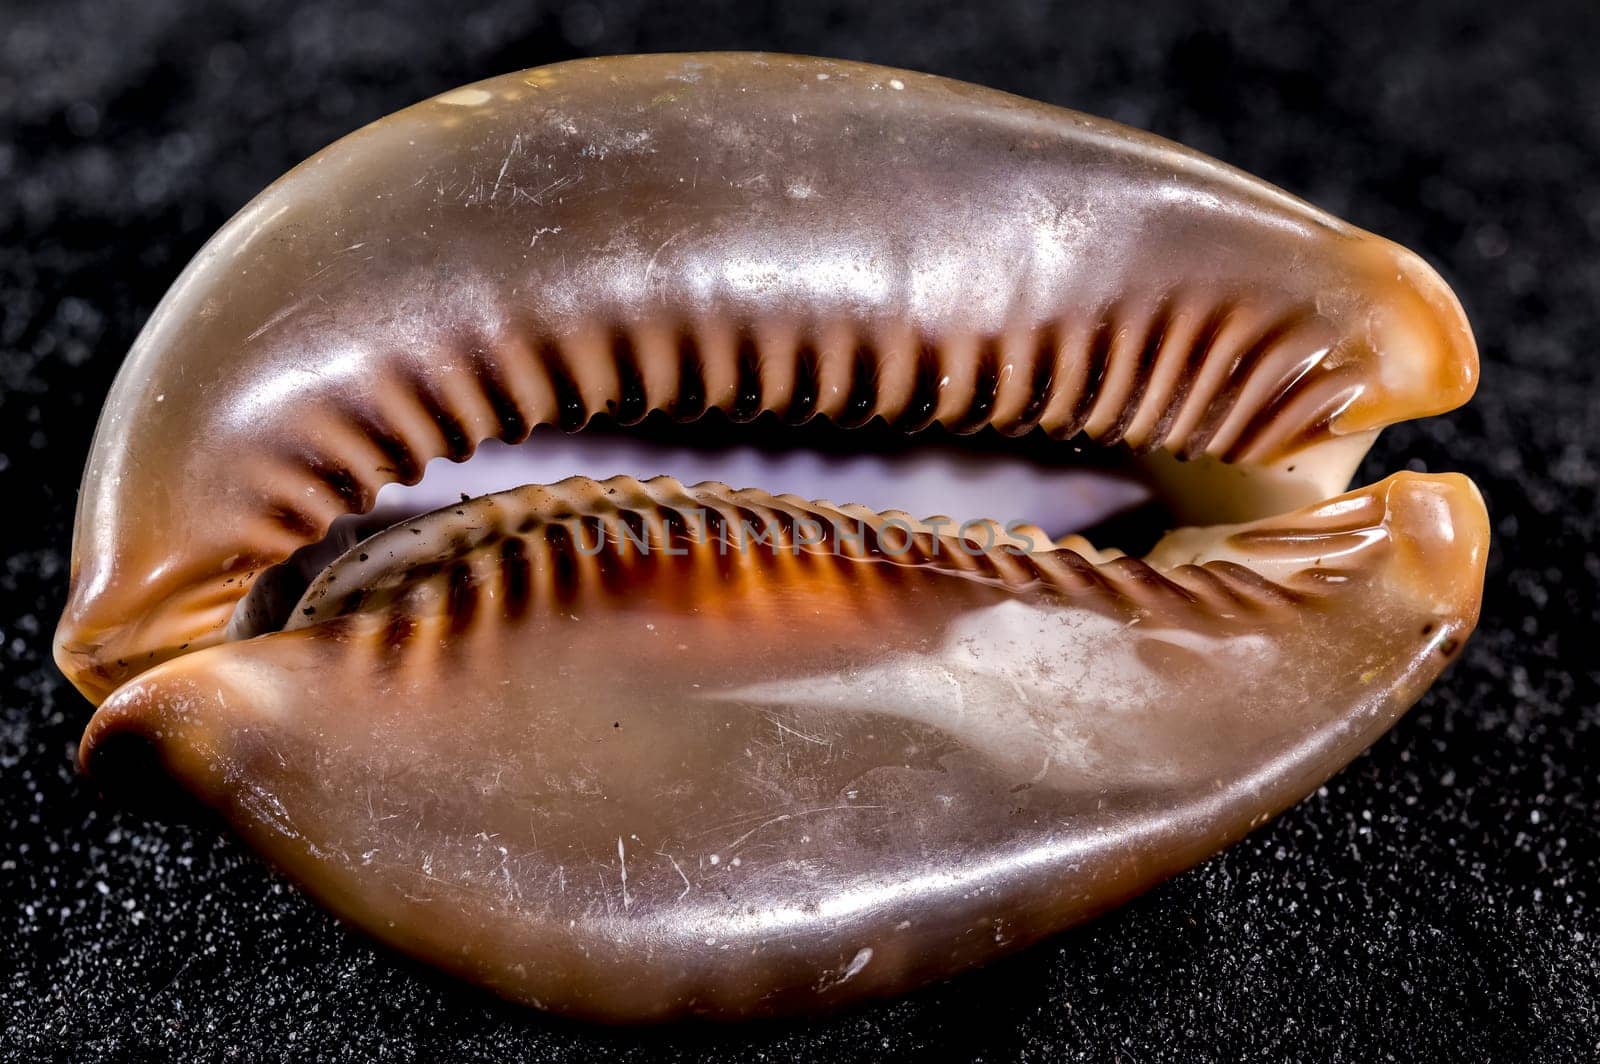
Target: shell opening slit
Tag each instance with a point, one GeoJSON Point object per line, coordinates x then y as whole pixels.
{"type": "Point", "coordinates": [614, 531]}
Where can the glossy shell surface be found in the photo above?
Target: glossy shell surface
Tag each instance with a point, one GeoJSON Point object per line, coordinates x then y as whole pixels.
{"type": "Point", "coordinates": [633, 750]}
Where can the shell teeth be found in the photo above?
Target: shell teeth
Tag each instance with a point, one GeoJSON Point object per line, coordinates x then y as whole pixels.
{"type": "Point", "coordinates": [1256, 392]}
{"type": "Point", "coordinates": [604, 537]}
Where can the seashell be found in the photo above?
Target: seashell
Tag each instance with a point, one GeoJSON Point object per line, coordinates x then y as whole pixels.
{"type": "Point", "coordinates": [633, 750]}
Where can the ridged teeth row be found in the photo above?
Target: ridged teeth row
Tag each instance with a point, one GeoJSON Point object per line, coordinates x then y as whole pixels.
{"type": "Point", "coordinates": [1191, 376]}
{"type": "Point", "coordinates": [741, 556]}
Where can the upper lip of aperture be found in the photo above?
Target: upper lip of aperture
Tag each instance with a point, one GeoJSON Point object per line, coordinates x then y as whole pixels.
{"type": "Point", "coordinates": [382, 300]}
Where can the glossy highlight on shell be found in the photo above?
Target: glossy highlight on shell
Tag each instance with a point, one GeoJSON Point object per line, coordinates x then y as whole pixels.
{"type": "Point", "coordinates": [630, 749]}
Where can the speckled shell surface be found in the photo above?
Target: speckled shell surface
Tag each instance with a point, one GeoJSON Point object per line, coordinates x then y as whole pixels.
{"type": "Point", "coordinates": [637, 750]}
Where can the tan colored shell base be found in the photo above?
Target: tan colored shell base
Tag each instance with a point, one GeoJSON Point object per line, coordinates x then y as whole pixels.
{"type": "Point", "coordinates": [635, 750]}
